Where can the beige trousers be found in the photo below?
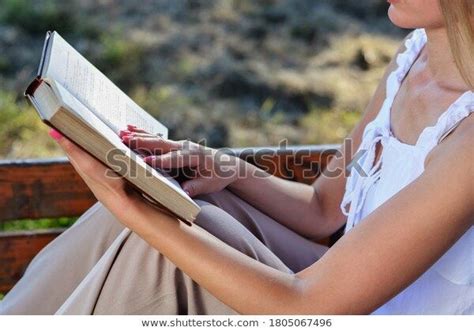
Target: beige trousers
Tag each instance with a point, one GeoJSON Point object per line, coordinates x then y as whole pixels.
{"type": "Point", "coordinates": [98, 266]}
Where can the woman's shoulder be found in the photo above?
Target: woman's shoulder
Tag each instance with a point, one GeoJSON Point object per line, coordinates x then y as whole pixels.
{"type": "Point", "coordinates": [460, 140]}
{"type": "Point", "coordinates": [457, 150]}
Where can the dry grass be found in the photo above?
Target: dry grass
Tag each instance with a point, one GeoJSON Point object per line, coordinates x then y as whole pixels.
{"type": "Point", "coordinates": [236, 73]}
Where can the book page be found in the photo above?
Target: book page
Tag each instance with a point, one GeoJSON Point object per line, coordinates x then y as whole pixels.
{"type": "Point", "coordinates": [93, 89]}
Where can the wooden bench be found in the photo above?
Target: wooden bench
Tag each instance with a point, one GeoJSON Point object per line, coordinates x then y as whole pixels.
{"type": "Point", "coordinates": [50, 188]}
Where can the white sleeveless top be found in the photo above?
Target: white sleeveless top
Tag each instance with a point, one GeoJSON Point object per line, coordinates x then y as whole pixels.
{"type": "Point", "coordinates": [448, 286]}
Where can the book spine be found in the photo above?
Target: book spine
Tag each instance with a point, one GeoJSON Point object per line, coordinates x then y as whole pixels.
{"type": "Point", "coordinates": [30, 90]}
{"type": "Point", "coordinates": [43, 54]}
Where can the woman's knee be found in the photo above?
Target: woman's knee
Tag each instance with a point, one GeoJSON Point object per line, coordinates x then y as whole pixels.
{"type": "Point", "coordinates": [207, 217]}
{"type": "Point", "coordinates": [222, 225]}
{"type": "Point", "coordinates": [217, 198]}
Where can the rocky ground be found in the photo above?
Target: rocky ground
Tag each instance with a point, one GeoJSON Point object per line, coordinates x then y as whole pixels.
{"type": "Point", "coordinates": [233, 72]}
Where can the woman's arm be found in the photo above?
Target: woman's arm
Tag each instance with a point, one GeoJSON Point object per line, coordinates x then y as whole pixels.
{"type": "Point", "coordinates": [373, 262]}
{"type": "Point", "coordinates": [311, 210]}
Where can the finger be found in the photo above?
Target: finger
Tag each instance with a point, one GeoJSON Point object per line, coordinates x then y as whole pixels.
{"type": "Point", "coordinates": [152, 145]}
{"type": "Point", "coordinates": [126, 135]}
{"type": "Point", "coordinates": [174, 159]}
{"type": "Point", "coordinates": [68, 146]}
{"type": "Point", "coordinates": [123, 133]}
{"type": "Point", "coordinates": [133, 128]}
{"type": "Point", "coordinates": [83, 162]}
{"type": "Point", "coordinates": [143, 135]}
{"type": "Point", "coordinates": [196, 187]}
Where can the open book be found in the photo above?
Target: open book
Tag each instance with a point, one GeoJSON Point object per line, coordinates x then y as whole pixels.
{"type": "Point", "coordinates": [75, 98]}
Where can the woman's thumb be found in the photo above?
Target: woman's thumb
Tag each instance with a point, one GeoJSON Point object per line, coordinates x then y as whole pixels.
{"type": "Point", "coordinates": [195, 187]}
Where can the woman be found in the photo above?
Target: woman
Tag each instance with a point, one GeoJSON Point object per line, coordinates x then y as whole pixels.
{"type": "Point", "coordinates": [407, 247]}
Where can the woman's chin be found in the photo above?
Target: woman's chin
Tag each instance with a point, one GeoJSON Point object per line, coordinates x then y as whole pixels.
{"type": "Point", "coordinates": [396, 18]}
{"type": "Point", "coordinates": [408, 18]}
{"type": "Point", "coordinates": [399, 19]}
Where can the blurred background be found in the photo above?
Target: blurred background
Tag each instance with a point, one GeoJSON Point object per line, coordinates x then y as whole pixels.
{"type": "Point", "coordinates": [234, 72]}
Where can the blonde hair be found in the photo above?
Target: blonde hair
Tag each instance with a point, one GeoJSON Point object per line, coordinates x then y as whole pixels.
{"type": "Point", "coordinates": [460, 27]}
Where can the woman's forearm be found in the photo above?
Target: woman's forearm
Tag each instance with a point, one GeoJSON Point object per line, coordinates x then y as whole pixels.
{"type": "Point", "coordinates": [292, 204]}
{"type": "Point", "coordinates": [244, 284]}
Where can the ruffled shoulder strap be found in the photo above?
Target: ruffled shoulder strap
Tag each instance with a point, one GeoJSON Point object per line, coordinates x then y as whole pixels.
{"type": "Point", "coordinates": [448, 121]}
{"type": "Point", "coordinates": [404, 60]}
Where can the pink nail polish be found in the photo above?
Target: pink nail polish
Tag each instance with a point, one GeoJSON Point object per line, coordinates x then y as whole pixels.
{"type": "Point", "coordinates": [123, 133]}
{"type": "Point", "coordinates": [56, 135]}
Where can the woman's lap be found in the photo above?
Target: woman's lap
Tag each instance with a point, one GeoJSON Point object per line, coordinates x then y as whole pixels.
{"type": "Point", "coordinates": [295, 251]}
{"type": "Point", "coordinates": [136, 277]}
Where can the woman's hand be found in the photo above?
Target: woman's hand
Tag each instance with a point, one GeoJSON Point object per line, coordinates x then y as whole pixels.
{"type": "Point", "coordinates": [212, 170]}
{"type": "Point", "coordinates": [108, 187]}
